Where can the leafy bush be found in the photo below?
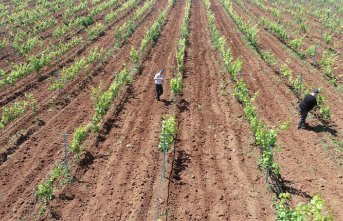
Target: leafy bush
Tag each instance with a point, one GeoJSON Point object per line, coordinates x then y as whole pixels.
{"type": "Point", "coordinates": [14, 111]}
{"type": "Point", "coordinates": [269, 57]}
{"type": "Point", "coordinates": [311, 51]}
{"type": "Point", "coordinates": [96, 31]}
{"type": "Point", "coordinates": [314, 210]}
{"type": "Point", "coordinates": [168, 132]}
{"type": "Point", "coordinates": [176, 85]}
{"type": "Point", "coordinates": [87, 21]}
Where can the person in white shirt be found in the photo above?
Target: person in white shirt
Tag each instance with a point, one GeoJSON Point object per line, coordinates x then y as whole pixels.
{"type": "Point", "coordinates": [159, 82]}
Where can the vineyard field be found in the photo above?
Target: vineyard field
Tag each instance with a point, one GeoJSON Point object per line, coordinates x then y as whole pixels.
{"type": "Point", "coordinates": [83, 137]}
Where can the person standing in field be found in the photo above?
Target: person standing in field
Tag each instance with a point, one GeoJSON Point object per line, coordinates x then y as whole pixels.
{"type": "Point", "coordinates": [159, 82]}
{"type": "Point", "coordinates": [306, 105]}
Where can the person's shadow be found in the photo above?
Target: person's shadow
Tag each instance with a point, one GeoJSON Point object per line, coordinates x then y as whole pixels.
{"type": "Point", "coordinates": [322, 128]}
{"type": "Point", "coordinates": [166, 102]}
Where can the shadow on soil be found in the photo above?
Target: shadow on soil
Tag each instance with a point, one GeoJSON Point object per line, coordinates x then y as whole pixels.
{"type": "Point", "coordinates": [180, 164]}
{"type": "Point", "coordinates": [86, 160]}
{"type": "Point", "coordinates": [287, 187]}
{"type": "Point", "coordinates": [323, 128]}
{"type": "Point", "coordinates": [183, 105]}
{"type": "Point", "coordinates": [166, 102]}
{"type": "Point", "coordinates": [111, 122]}
{"type": "Point", "coordinates": [280, 185]}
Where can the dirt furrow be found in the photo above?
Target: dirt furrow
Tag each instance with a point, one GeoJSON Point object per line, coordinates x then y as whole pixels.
{"type": "Point", "coordinates": [212, 179]}
{"type": "Point", "coordinates": [302, 158]}
{"type": "Point", "coordinates": [11, 56]}
{"type": "Point", "coordinates": [47, 99]}
{"type": "Point", "coordinates": [311, 77]}
{"type": "Point", "coordinates": [43, 149]}
{"type": "Point", "coordinates": [313, 33]}
{"type": "Point", "coordinates": [120, 186]}
{"type": "Point", "coordinates": [51, 71]}
{"type": "Point", "coordinates": [256, 12]}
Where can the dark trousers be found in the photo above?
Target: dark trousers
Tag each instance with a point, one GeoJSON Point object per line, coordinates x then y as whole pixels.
{"type": "Point", "coordinates": [159, 91]}
{"type": "Point", "coordinates": [303, 115]}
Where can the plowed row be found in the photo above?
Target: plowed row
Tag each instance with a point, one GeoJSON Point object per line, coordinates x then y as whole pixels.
{"type": "Point", "coordinates": [212, 171]}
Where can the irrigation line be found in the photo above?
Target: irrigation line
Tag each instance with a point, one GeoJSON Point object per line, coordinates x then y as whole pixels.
{"type": "Point", "coordinates": [65, 144]}
{"type": "Point", "coordinates": [163, 173]}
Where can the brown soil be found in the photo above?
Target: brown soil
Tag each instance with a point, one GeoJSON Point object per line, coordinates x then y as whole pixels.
{"type": "Point", "coordinates": [46, 98]}
{"type": "Point", "coordinates": [215, 175]}
{"type": "Point", "coordinates": [313, 37]}
{"type": "Point", "coordinates": [39, 80]}
{"type": "Point", "coordinates": [11, 56]}
{"type": "Point", "coordinates": [306, 168]}
{"type": "Point", "coordinates": [36, 157]}
{"type": "Point", "coordinates": [129, 154]}
{"type": "Point", "coordinates": [212, 171]}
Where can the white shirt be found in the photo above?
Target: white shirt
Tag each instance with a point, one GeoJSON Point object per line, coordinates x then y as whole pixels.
{"type": "Point", "coordinates": [158, 78]}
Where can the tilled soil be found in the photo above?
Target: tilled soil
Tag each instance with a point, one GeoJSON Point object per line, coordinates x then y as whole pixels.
{"type": "Point", "coordinates": [48, 101]}
{"type": "Point", "coordinates": [36, 157]}
{"type": "Point", "coordinates": [215, 175]}
{"type": "Point", "coordinates": [306, 168]}
{"type": "Point", "coordinates": [132, 161]}
{"type": "Point", "coordinates": [212, 171]}
{"type": "Point", "coordinates": [308, 41]}
{"type": "Point", "coordinates": [11, 56]}
{"type": "Point", "coordinates": [49, 73]}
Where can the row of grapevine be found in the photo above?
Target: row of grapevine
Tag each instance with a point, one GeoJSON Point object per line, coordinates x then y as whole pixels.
{"type": "Point", "coordinates": [169, 123]}
{"type": "Point", "coordinates": [25, 42]}
{"type": "Point", "coordinates": [30, 43]}
{"type": "Point", "coordinates": [102, 104]}
{"type": "Point", "coordinates": [17, 109]}
{"type": "Point", "coordinates": [169, 120]}
{"type": "Point", "coordinates": [95, 56]}
{"type": "Point", "coordinates": [79, 23]}
{"type": "Point", "coordinates": [327, 14]}
{"type": "Point", "coordinates": [68, 74]}
{"type": "Point", "coordinates": [25, 38]}
{"type": "Point", "coordinates": [296, 44]}
{"type": "Point", "coordinates": [126, 30]}
{"type": "Point", "coordinates": [325, 112]}
{"type": "Point", "coordinates": [264, 138]}
{"type": "Point", "coordinates": [36, 63]}
{"type": "Point", "coordinates": [176, 82]}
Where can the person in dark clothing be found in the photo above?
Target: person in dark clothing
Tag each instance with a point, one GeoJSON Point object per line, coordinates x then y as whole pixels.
{"type": "Point", "coordinates": [159, 82]}
{"type": "Point", "coordinates": [306, 105]}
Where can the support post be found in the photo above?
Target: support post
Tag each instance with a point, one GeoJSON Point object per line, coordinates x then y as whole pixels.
{"type": "Point", "coordinates": [65, 140]}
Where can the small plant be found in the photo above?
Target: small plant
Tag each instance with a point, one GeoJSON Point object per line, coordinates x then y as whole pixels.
{"type": "Point", "coordinates": [176, 85]}
{"type": "Point", "coordinates": [314, 210]}
{"type": "Point", "coordinates": [134, 57]}
{"type": "Point", "coordinates": [79, 136]}
{"type": "Point", "coordinates": [303, 27]}
{"type": "Point", "coordinates": [269, 57]}
{"type": "Point", "coordinates": [328, 60]}
{"type": "Point", "coordinates": [168, 132]}
{"type": "Point", "coordinates": [14, 111]}
{"type": "Point", "coordinates": [311, 51]}
{"type": "Point", "coordinates": [3, 43]}
{"type": "Point", "coordinates": [276, 12]}
{"type": "Point", "coordinates": [96, 31]}
{"type": "Point", "coordinates": [87, 21]}
{"type": "Point", "coordinates": [327, 38]}
{"type": "Point", "coordinates": [296, 43]}
{"type": "Point", "coordinates": [45, 190]}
